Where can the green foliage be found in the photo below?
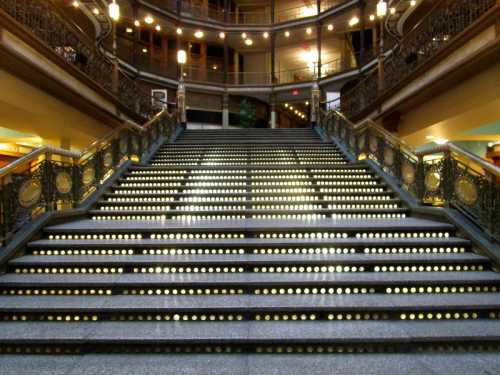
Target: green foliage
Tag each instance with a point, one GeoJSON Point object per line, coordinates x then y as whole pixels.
{"type": "Point", "coordinates": [247, 114]}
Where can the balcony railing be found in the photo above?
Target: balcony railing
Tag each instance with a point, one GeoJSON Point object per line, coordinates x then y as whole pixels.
{"type": "Point", "coordinates": [41, 19]}
{"type": "Point", "coordinates": [444, 22]}
{"type": "Point", "coordinates": [445, 175]}
{"type": "Point", "coordinates": [51, 179]}
{"type": "Point", "coordinates": [245, 17]}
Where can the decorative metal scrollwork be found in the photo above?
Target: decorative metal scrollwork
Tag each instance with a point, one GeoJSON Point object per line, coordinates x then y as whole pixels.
{"type": "Point", "coordinates": [432, 181]}
{"type": "Point", "coordinates": [107, 159]}
{"type": "Point", "coordinates": [466, 191]}
{"type": "Point", "coordinates": [388, 157]}
{"type": "Point", "coordinates": [30, 193]}
{"type": "Point", "coordinates": [361, 142]}
{"type": "Point", "coordinates": [64, 183]}
{"type": "Point", "coordinates": [135, 145]}
{"type": "Point", "coordinates": [123, 145]}
{"type": "Point", "coordinates": [373, 144]}
{"type": "Point", "coordinates": [88, 175]}
{"type": "Point", "coordinates": [408, 173]}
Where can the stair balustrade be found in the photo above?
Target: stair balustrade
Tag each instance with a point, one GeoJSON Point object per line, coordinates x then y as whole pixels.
{"type": "Point", "coordinates": [53, 179]}
{"type": "Point", "coordinates": [444, 175]}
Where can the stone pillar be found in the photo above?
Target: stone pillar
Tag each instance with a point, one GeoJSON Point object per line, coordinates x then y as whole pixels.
{"type": "Point", "coordinates": [236, 68]}
{"type": "Point", "coordinates": [273, 58]}
{"type": "Point", "coordinates": [181, 101]}
{"type": "Point", "coordinates": [225, 110]}
{"type": "Point", "coordinates": [319, 27]}
{"type": "Point", "coordinates": [315, 98]}
{"type": "Point", "coordinates": [272, 122]}
{"type": "Point", "coordinates": [362, 7]}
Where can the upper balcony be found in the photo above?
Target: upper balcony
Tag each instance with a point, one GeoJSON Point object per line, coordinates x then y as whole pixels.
{"type": "Point", "coordinates": [228, 13]}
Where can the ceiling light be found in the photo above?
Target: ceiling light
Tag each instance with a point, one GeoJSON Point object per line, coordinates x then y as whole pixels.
{"type": "Point", "coordinates": [244, 35]}
{"type": "Point", "coordinates": [286, 105]}
{"type": "Point", "coordinates": [158, 28]}
{"type": "Point", "coordinates": [287, 33]}
{"type": "Point", "coordinates": [413, 3]}
{"type": "Point", "coordinates": [222, 35]}
{"type": "Point", "coordinates": [248, 42]}
{"type": "Point", "coordinates": [114, 11]}
{"type": "Point", "coordinates": [129, 30]}
{"type": "Point", "coordinates": [149, 20]}
{"type": "Point", "coordinates": [95, 11]}
{"type": "Point", "coordinates": [372, 17]}
{"type": "Point", "coordinates": [76, 4]}
{"type": "Point", "coordinates": [144, 50]}
{"type": "Point", "coordinates": [381, 8]}
{"type": "Point", "coordinates": [307, 102]}
{"type": "Point", "coordinates": [265, 35]}
{"type": "Point", "coordinates": [353, 21]}
{"type": "Point", "coordinates": [179, 31]}
{"type": "Point", "coordinates": [199, 34]}
{"type": "Point", "coordinates": [330, 27]}
{"type": "Point", "coordinates": [137, 23]}
{"type": "Point", "coordinates": [309, 31]}
{"type": "Point", "coordinates": [393, 10]}
{"type": "Point", "coordinates": [181, 56]}
{"type": "Point", "coordinates": [214, 67]}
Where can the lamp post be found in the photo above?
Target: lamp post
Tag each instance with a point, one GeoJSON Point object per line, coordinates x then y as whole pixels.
{"type": "Point", "coordinates": [114, 14]}
{"type": "Point", "coordinates": [181, 89]}
{"type": "Point", "coordinates": [381, 13]}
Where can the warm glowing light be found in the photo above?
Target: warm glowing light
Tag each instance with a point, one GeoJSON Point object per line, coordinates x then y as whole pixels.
{"type": "Point", "coordinates": [393, 10]}
{"type": "Point", "coordinates": [214, 67]}
{"type": "Point", "coordinates": [248, 42]}
{"type": "Point", "coordinates": [309, 31]}
{"type": "Point", "coordinates": [381, 8]}
{"type": "Point", "coordinates": [129, 30]}
{"type": "Point", "coordinates": [330, 27]}
{"type": "Point", "coordinates": [137, 23]}
{"type": "Point", "coordinates": [222, 35]}
{"type": "Point", "coordinates": [353, 21]}
{"type": "Point", "coordinates": [158, 28]}
{"type": "Point", "coordinates": [114, 11]}
{"type": "Point", "coordinates": [95, 11]}
{"type": "Point", "coordinates": [144, 50]}
{"type": "Point", "coordinates": [310, 57]}
{"type": "Point", "coordinates": [308, 12]}
{"type": "Point", "coordinates": [199, 34]}
{"type": "Point", "coordinates": [244, 35]}
{"type": "Point", "coordinates": [149, 20]}
{"type": "Point", "coordinates": [181, 56]}
{"type": "Point", "coordinates": [287, 33]}
{"type": "Point", "coordinates": [265, 35]}
{"type": "Point", "coordinates": [179, 31]}
{"type": "Point", "coordinates": [413, 3]}
{"type": "Point", "coordinates": [372, 17]}
{"type": "Point", "coordinates": [286, 105]}
{"type": "Point", "coordinates": [76, 4]}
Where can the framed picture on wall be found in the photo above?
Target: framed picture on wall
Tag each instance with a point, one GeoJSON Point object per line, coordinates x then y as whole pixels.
{"type": "Point", "coordinates": [159, 98]}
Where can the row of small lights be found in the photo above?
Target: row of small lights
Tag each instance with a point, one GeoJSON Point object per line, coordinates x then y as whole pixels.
{"type": "Point", "coordinates": [296, 111]}
{"type": "Point", "coordinates": [114, 13]}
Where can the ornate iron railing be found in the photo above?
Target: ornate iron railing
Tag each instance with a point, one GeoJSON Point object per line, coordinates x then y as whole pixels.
{"type": "Point", "coordinates": [445, 175]}
{"type": "Point", "coordinates": [43, 20]}
{"type": "Point", "coordinates": [442, 24]}
{"type": "Point", "coordinates": [51, 179]}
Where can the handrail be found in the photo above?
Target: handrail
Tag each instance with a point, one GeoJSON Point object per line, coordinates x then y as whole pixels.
{"type": "Point", "coordinates": [441, 175]}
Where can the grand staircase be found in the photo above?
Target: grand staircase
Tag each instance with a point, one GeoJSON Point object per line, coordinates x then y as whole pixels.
{"type": "Point", "coordinates": [240, 243]}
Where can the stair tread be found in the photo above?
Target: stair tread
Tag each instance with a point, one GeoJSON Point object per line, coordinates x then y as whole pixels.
{"type": "Point", "coordinates": [255, 259]}
{"type": "Point", "coordinates": [242, 225]}
{"type": "Point", "coordinates": [256, 242]}
{"type": "Point", "coordinates": [253, 364]}
{"type": "Point", "coordinates": [254, 303]}
{"type": "Point", "coordinates": [361, 332]}
{"type": "Point", "coordinates": [249, 279]}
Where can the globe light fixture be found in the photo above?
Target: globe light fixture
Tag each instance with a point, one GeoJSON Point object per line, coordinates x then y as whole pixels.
{"type": "Point", "coordinates": [381, 8]}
